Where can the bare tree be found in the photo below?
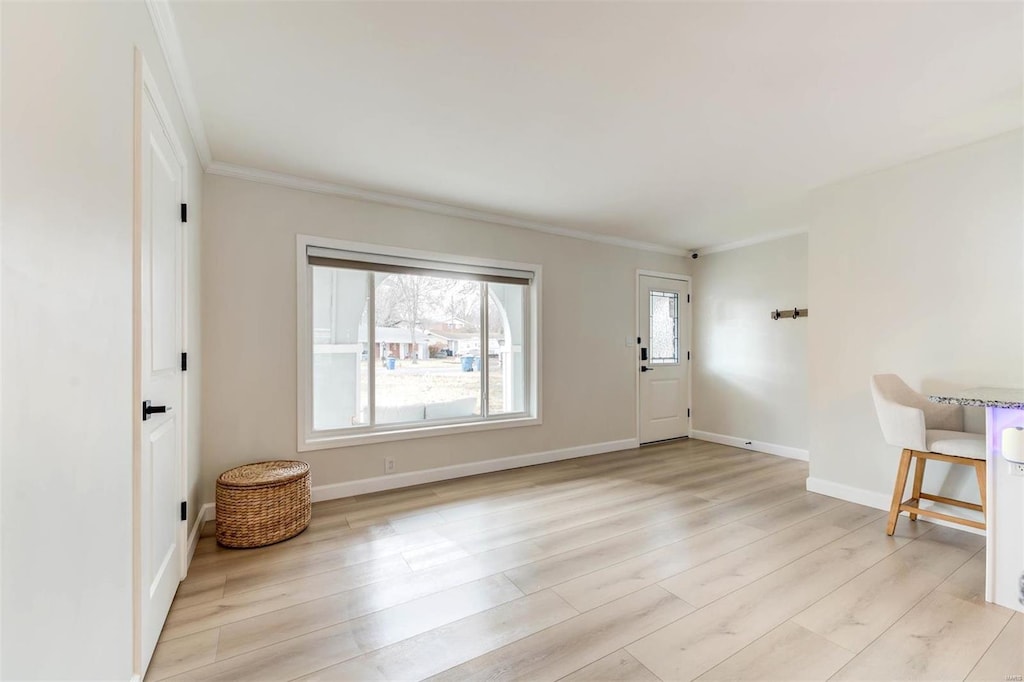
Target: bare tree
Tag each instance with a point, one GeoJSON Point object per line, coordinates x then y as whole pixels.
{"type": "Point", "coordinates": [459, 302]}
{"type": "Point", "coordinates": [406, 300]}
{"type": "Point", "coordinates": [388, 305]}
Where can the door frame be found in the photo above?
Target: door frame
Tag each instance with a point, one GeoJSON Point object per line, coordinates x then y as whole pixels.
{"type": "Point", "coordinates": [145, 86]}
{"type": "Point", "coordinates": [689, 340]}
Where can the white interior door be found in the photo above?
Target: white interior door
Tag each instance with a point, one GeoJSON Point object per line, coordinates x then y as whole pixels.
{"type": "Point", "coordinates": [663, 358]}
{"type": "Point", "coordinates": [161, 450]}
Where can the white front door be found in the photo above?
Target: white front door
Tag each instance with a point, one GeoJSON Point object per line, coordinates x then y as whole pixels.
{"type": "Point", "coordinates": [663, 358]}
{"type": "Point", "coordinates": [159, 334]}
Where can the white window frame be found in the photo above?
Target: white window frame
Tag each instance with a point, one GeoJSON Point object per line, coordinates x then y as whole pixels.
{"type": "Point", "coordinates": [309, 440]}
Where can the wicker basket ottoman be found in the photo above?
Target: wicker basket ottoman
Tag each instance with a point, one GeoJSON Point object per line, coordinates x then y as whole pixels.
{"type": "Point", "coordinates": [262, 503]}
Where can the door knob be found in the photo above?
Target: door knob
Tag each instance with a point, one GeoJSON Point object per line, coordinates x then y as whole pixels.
{"type": "Point", "coordinates": [149, 408]}
{"type": "Point", "coordinates": [645, 368]}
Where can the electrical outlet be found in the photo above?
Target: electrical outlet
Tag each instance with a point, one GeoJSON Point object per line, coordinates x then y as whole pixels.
{"type": "Point", "coordinates": [389, 465]}
{"type": "Point", "coordinates": [1016, 469]}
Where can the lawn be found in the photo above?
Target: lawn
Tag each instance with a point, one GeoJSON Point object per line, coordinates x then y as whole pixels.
{"type": "Point", "coordinates": [436, 380]}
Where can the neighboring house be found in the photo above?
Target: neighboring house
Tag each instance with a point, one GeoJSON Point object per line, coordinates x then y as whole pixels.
{"type": "Point", "coordinates": [398, 341]}
{"type": "Point", "coordinates": [465, 343]}
{"type": "Point", "coordinates": [455, 324]}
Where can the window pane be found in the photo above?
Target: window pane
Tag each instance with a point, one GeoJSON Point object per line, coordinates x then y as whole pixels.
{"type": "Point", "coordinates": [340, 367]}
{"type": "Point", "coordinates": [664, 327]}
{"type": "Point", "coordinates": [506, 376]}
{"type": "Point", "coordinates": [427, 348]}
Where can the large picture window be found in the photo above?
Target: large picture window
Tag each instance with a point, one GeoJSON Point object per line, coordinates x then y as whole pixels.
{"type": "Point", "coordinates": [398, 344]}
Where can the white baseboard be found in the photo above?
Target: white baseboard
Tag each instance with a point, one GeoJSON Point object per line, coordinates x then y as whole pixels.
{"type": "Point", "coordinates": [867, 498]}
{"type": "Point", "coordinates": [759, 446]}
{"type": "Point", "coordinates": [875, 500]}
{"type": "Point", "coordinates": [334, 491]}
{"type": "Point", "coordinates": [207, 512]}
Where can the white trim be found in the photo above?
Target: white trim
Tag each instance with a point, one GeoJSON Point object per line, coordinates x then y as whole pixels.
{"type": "Point", "coordinates": [184, 376]}
{"type": "Point", "coordinates": [1, 410]}
{"type": "Point", "coordinates": [875, 500]}
{"type": "Point", "coordinates": [665, 275]}
{"type": "Point", "coordinates": [231, 170]}
{"type": "Point", "coordinates": [429, 429]}
{"type": "Point", "coordinates": [166, 30]}
{"type": "Point", "coordinates": [137, 98]}
{"type": "Point", "coordinates": [770, 237]}
{"type": "Point", "coordinates": [759, 446]}
{"type": "Point", "coordinates": [145, 86]}
{"type": "Point", "coordinates": [304, 240]}
{"type": "Point", "coordinates": [170, 43]}
{"type": "Point", "coordinates": [306, 440]}
{"type": "Point", "coordinates": [304, 339]}
{"type": "Point", "coordinates": [443, 262]}
{"type": "Point", "coordinates": [485, 360]}
{"type": "Point", "coordinates": [689, 339]}
{"type": "Point", "coordinates": [391, 481]}
{"type": "Point", "coordinates": [207, 512]}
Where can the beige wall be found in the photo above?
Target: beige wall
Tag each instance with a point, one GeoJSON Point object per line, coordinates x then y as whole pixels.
{"type": "Point", "coordinates": [67, 196]}
{"type": "Point", "coordinates": [249, 329]}
{"type": "Point", "coordinates": [915, 270]}
{"type": "Point", "coordinates": [750, 372]}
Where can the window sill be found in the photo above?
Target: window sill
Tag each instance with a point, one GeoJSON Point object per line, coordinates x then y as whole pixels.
{"type": "Point", "coordinates": [406, 432]}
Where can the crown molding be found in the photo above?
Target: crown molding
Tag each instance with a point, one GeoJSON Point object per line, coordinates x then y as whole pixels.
{"type": "Point", "coordinates": [770, 237]}
{"type": "Point", "coordinates": [170, 43]}
{"type": "Point", "coordinates": [320, 187]}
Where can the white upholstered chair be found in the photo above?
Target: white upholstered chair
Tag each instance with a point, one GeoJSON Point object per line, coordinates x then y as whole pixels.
{"type": "Point", "coordinates": [925, 430]}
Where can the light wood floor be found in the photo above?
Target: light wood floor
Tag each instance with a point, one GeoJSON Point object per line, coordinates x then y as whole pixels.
{"type": "Point", "coordinates": [680, 561]}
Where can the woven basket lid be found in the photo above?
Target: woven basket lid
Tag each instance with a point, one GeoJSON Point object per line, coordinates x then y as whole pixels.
{"type": "Point", "coordinates": [263, 473]}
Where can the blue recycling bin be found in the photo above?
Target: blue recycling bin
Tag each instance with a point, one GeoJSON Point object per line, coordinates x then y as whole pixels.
{"type": "Point", "coordinates": [391, 363]}
{"type": "Point", "coordinates": [467, 363]}
{"type": "Point", "coordinates": [476, 364]}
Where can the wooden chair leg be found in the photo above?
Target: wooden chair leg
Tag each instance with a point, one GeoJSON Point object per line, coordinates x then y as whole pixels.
{"type": "Point", "coordinates": [918, 478]}
{"type": "Point", "coordinates": [979, 469]}
{"type": "Point", "coordinates": [897, 493]}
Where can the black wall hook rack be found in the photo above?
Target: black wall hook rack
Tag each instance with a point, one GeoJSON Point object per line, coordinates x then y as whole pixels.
{"type": "Point", "coordinates": [794, 313]}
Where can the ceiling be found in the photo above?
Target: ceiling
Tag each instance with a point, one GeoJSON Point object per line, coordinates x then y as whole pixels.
{"type": "Point", "coordinates": [680, 124]}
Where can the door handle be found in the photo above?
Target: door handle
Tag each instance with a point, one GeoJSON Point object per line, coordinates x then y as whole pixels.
{"type": "Point", "coordinates": [149, 408]}
{"type": "Point", "coordinates": [645, 368]}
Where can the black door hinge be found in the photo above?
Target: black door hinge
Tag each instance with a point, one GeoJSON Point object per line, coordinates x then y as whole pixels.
{"type": "Point", "coordinates": [184, 510]}
{"type": "Point", "coordinates": [687, 412]}
{"type": "Point", "coordinates": [184, 213]}
{"type": "Point", "coordinates": [687, 298]}
{"type": "Point", "coordinates": [687, 355]}
{"type": "Point", "coordinates": [184, 362]}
